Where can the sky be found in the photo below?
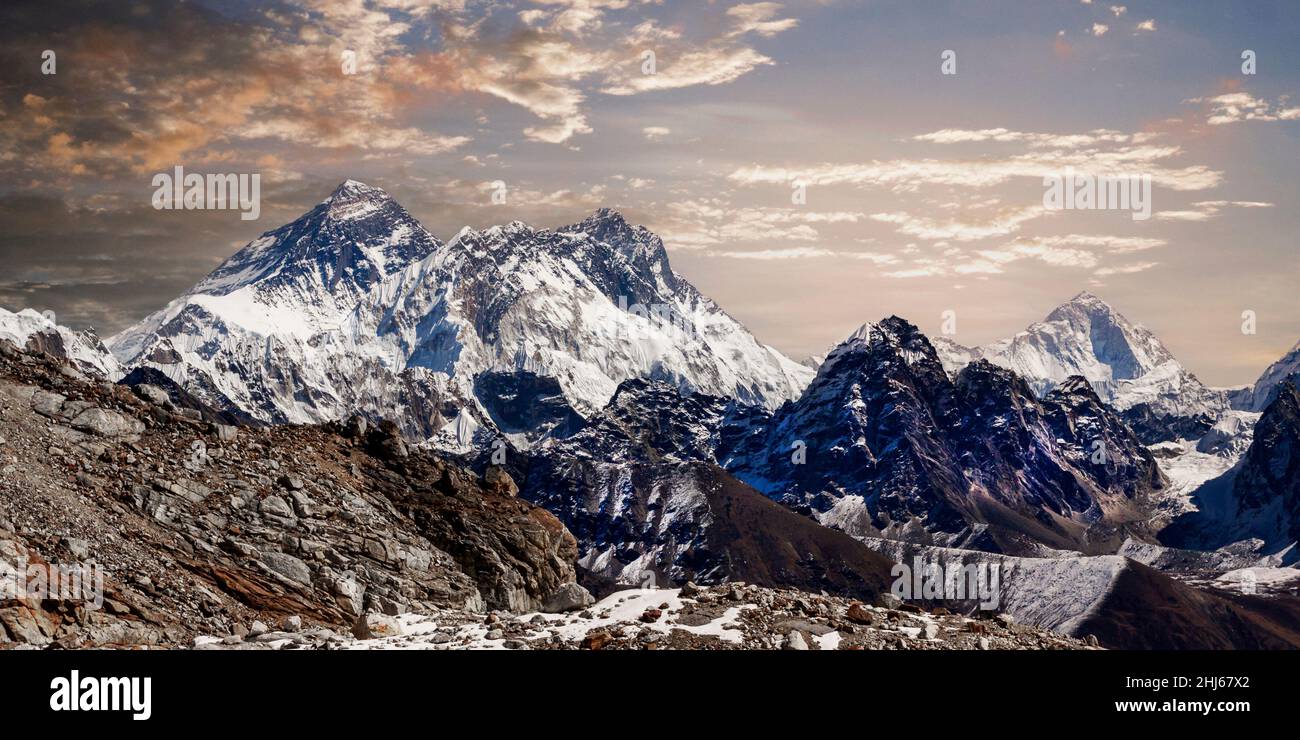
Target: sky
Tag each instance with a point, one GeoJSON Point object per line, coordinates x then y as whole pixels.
{"type": "Point", "coordinates": [810, 165]}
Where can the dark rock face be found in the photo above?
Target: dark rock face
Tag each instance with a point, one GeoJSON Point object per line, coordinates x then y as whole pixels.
{"type": "Point", "coordinates": [526, 403]}
{"type": "Point", "coordinates": [1147, 610]}
{"type": "Point", "coordinates": [179, 398]}
{"type": "Point", "coordinates": [641, 491]}
{"type": "Point", "coordinates": [882, 443]}
{"type": "Point", "coordinates": [1151, 427]}
{"type": "Point", "coordinates": [894, 447]}
{"type": "Point", "coordinates": [200, 527]}
{"type": "Point", "coordinates": [1270, 471]}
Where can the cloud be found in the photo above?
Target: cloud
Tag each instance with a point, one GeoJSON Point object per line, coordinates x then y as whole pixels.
{"type": "Point", "coordinates": [1099, 29]}
{"type": "Point", "coordinates": [710, 66]}
{"type": "Point", "coordinates": [228, 87]}
{"type": "Point", "coordinates": [655, 133]}
{"type": "Point", "coordinates": [1000, 224]}
{"type": "Point", "coordinates": [1070, 251]}
{"type": "Point", "coordinates": [715, 61]}
{"type": "Point", "coordinates": [1125, 269]}
{"type": "Point", "coordinates": [909, 174]}
{"type": "Point", "coordinates": [701, 223]}
{"type": "Point", "coordinates": [1095, 137]}
{"type": "Point", "coordinates": [1047, 253]}
{"type": "Point", "coordinates": [759, 18]}
{"type": "Point", "coordinates": [1118, 10]}
{"type": "Point", "coordinates": [799, 253]}
{"type": "Point", "coordinates": [1207, 209]}
{"type": "Point", "coordinates": [1147, 25]}
{"type": "Point", "coordinates": [1240, 106]}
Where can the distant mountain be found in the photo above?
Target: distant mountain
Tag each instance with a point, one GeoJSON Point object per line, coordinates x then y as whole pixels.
{"type": "Point", "coordinates": [31, 330]}
{"type": "Point", "coordinates": [884, 443]}
{"type": "Point", "coordinates": [355, 307]}
{"type": "Point", "coordinates": [1260, 395]}
{"type": "Point", "coordinates": [1127, 365]}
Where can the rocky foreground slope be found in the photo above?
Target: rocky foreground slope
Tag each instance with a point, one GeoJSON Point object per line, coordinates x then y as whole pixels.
{"type": "Point", "coordinates": [202, 527]}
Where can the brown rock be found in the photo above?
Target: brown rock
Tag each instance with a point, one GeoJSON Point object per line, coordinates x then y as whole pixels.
{"type": "Point", "coordinates": [858, 613]}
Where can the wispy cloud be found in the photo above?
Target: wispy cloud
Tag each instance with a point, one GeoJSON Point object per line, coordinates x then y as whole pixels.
{"type": "Point", "coordinates": [1241, 106]}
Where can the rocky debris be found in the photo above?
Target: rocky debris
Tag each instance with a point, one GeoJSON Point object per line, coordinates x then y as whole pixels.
{"type": "Point", "coordinates": [203, 528]}
{"type": "Point", "coordinates": [709, 619]}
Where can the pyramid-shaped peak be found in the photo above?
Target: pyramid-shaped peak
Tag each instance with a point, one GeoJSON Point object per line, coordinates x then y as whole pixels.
{"type": "Point", "coordinates": [1088, 298]}
{"type": "Point", "coordinates": [350, 190]}
{"type": "Point", "coordinates": [1084, 303]}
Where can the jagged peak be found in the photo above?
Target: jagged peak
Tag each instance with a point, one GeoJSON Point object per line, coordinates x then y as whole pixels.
{"type": "Point", "coordinates": [605, 215]}
{"type": "Point", "coordinates": [605, 224]}
{"type": "Point", "coordinates": [862, 333]}
{"type": "Point", "coordinates": [1076, 386]}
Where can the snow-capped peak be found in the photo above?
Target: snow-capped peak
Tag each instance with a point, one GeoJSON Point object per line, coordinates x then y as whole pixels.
{"type": "Point", "coordinates": [1126, 364]}
{"type": "Point", "coordinates": [355, 307]}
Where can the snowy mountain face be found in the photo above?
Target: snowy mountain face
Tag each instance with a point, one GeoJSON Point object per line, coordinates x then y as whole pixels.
{"type": "Point", "coordinates": [28, 329]}
{"type": "Point", "coordinates": [1258, 397]}
{"type": "Point", "coordinates": [1258, 499]}
{"type": "Point", "coordinates": [1127, 365]}
{"type": "Point", "coordinates": [355, 307]}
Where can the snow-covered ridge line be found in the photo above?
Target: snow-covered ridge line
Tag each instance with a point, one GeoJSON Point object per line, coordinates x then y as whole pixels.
{"type": "Point", "coordinates": [83, 348]}
{"type": "Point", "coordinates": [356, 307]}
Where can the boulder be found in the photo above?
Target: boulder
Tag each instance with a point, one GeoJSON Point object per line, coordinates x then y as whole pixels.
{"type": "Point", "coordinates": [287, 566]}
{"type": "Point", "coordinates": [275, 506]}
{"type": "Point", "coordinates": [373, 626]}
{"type": "Point", "coordinates": [106, 423]}
{"type": "Point", "coordinates": [795, 641]}
{"type": "Point", "coordinates": [153, 394]}
{"type": "Point", "coordinates": [566, 598]}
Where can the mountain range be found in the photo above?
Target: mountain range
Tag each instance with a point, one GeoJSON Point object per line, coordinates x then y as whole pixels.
{"type": "Point", "coordinates": [356, 307]}
{"type": "Point", "coordinates": [676, 447]}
